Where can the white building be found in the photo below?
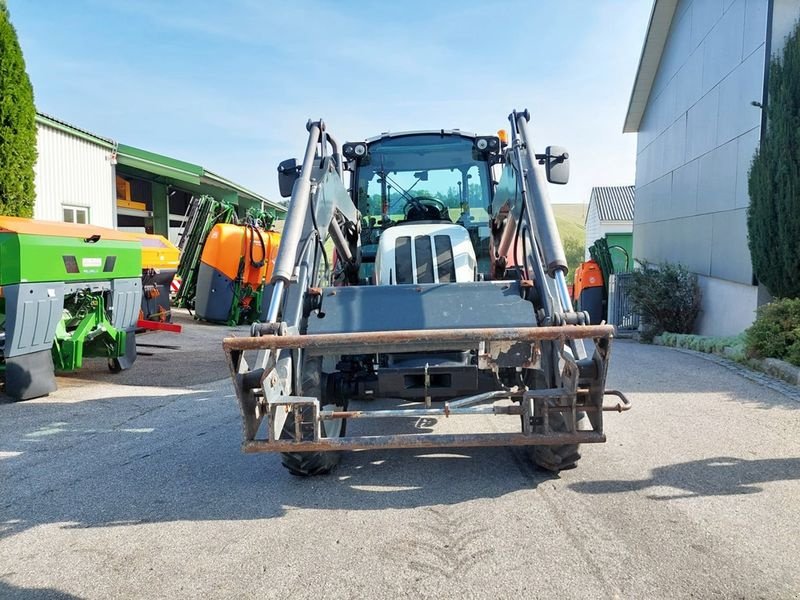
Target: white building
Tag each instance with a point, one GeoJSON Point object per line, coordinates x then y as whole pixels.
{"type": "Point", "coordinates": [74, 175]}
{"type": "Point", "coordinates": [695, 106]}
{"type": "Point", "coordinates": [82, 177]}
{"type": "Point", "coordinates": [610, 216]}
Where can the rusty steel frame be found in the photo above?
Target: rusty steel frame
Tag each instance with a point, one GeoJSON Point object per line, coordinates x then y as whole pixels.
{"type": "Point", "coordinates": [413, 340]}
{"type": "Point", "coordinates": [425, 440]}
{"type": "Point", "coordinates": [265, 403]}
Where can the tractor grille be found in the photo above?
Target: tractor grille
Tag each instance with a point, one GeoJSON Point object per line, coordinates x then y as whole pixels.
{"type": "Point", "coordinates": [429, 259]}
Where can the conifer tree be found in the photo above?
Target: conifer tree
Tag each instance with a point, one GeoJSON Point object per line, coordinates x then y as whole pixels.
{"type": "Point", "coordinates": [773, 218]}
{"type": "Point", "coordinates": [17, 125]}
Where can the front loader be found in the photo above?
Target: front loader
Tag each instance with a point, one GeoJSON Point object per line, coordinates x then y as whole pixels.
{"type": "Point", "coordinates": [423, 269]}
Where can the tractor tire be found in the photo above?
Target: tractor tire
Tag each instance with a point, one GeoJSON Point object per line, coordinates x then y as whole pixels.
{"type": "Point", "coordinates": [306, 464]}
{"type": "Point", "coordinates": [557, 458]}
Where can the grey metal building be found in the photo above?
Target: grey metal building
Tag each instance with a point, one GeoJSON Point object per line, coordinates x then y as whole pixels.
{"type": "Point", "coordinates": [701, 70]}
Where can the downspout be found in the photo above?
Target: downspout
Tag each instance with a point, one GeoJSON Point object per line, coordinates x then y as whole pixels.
{"type": "Point", "coordinates": [763, 296]}
{"type": "Point", "coordinates": [767, 60]}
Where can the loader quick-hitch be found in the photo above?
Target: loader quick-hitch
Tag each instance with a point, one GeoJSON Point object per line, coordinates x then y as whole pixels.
{"type": "Point", "coordinates": [457, 311]}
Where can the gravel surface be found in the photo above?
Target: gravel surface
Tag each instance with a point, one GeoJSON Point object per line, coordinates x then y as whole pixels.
{"type": "Point", "coordinates": [136, 488]}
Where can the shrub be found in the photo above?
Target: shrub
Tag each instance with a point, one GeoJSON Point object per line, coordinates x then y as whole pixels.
{"type": "Point", "coordinates": [17, 126]}
{"type": "Point", "coordinates": [666, 297]}
{"type": "Point", "coordinates": [776, 331]}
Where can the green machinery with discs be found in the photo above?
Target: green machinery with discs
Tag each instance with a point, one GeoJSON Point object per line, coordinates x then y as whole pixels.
{"type": "Point", "coordinates": [68, 292]}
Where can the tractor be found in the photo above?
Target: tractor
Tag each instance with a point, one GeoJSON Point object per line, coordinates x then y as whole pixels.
{"type": "Point", "coordinates": [423, 269]}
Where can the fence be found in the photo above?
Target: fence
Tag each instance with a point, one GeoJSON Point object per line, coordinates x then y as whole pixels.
{"type": "Point", "coordinates": [620, 311]}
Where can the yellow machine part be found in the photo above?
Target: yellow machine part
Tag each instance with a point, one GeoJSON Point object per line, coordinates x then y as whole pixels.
{"type": "Point", "coordinates": [57, 229]}
{"type": "Point", "coordinates": [158, 252]}
{"type": "Point", "coordinates": [227, 245]}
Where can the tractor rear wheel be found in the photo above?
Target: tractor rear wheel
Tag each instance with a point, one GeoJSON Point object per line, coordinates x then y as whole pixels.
{"type": "Point", "coordinates": [304, 464]}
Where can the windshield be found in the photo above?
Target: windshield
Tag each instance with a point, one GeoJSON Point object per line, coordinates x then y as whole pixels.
{"type": "Point", "coordinates": [442, 172]}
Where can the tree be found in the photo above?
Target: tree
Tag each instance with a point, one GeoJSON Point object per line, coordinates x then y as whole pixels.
{"type": "Point", "coordinates": [773, 218]}
{"type": "Point", "coordinates": [17, 125]}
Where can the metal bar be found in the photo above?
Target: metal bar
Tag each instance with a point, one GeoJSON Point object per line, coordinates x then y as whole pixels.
{"type": "Point", "coordinates": [624, 405]}
{"type": "Point", "coordinates": [421, 412]}
{"type": "Point", "coordinates": [563, 292]}
{"type": "Point", "coordinates": [379, 341]}
{"type": "Point", "coordinates": [425, 440]}
{"type": "Point", "coordinates": [478, 398]}
{"type": "Point", "coordinates": [275, 302]}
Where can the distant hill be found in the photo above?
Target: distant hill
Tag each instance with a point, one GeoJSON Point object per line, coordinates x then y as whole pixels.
{"type": "Point", "coordinates": [570, 219]}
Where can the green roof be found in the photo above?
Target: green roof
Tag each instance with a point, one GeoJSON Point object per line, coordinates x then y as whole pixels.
{"type": "Point", "coordinates": [195, 176]}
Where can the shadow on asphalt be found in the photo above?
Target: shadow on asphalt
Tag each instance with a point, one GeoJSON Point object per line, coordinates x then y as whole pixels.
{"type": "Point", "coordinates": [178, 458]}
{"type": "Point", "coordinates": [13, 592]}
{"type": "Point", "coordinates": [721, 476]}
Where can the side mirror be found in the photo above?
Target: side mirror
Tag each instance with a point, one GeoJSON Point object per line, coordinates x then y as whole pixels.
{"type": "Point", "coordinates": [556, 165]}
{"type": "Point", "coordinates": [288, 172]}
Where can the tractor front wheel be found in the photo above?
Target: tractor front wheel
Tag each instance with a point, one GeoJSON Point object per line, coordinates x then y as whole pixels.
{"type": "Point", "coordinates": [304, 464]}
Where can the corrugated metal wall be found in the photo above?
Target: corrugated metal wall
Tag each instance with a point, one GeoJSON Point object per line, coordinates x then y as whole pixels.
{"type": "Point", "coordinates": [72, 171]}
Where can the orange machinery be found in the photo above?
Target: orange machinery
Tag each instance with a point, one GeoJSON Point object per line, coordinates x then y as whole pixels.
{"type": "Point", "coordinates": [235, 266]}
{"type": "Point", "coordinates": [588, 290]}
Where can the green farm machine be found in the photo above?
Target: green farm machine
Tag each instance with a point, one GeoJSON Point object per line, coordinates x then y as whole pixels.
{"type": "Point", "coordinates": [68, 292]}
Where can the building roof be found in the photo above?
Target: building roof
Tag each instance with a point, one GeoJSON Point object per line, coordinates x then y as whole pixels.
{"type": "Point", "coordinates": [50, 121]}
{"type": "Point", "coordinates": [158, 164]}
{"type": "Point", "coordinates": [653, 48]}
{"type": "Point", "coordinates": [613, 203]}
{"type": "Point", "coordinates": [192, 176]}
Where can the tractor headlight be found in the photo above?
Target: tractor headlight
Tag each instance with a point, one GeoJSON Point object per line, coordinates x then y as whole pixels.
{"type": "Point", "coordinates": [487, 144]}
{"type": "Point", "coordinates": [354, 150]}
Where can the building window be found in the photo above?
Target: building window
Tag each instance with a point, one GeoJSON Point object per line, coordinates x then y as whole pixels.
{"type": "Point", "coordinates": [76, 214]}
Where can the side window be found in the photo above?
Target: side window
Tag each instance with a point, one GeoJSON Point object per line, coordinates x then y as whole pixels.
{"type": "Point", "coordinates": [76, 214]}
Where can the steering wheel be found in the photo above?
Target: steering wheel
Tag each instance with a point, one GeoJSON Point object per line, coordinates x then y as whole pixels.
{"type": "Point", "coordinates": [425, 208]}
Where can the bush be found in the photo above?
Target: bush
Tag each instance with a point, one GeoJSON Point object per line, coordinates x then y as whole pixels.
{"type": "Point", "coordinates": [776, 331]}
{"type": "Point", "coordinates": [666, 297]}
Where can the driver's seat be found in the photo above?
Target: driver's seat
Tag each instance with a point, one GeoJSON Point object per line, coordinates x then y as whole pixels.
{"type": "Point", "coordinates": [419, 211]}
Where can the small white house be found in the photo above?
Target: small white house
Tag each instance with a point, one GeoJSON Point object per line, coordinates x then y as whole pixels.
{"type": "Point", "coordinates": [74, 174]}
{"type": "Point", "coordinates": [610, 216]}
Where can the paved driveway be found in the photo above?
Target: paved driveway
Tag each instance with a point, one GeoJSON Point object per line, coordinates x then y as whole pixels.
{"type": "Point", "coordinates": [136, 488]}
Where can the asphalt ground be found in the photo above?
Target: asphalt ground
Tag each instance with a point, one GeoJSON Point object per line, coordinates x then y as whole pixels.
{"type": "Point", "coordinates": [133, 486]}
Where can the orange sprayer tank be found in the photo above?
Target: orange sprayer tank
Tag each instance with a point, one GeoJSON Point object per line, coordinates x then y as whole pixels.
{"type": "Point", "coordinates": [588, 290]}
{"type": "Point", "coordinates": [236, 263]}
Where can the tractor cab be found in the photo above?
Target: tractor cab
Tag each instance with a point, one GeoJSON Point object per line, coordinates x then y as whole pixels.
{"type": "Point", "coordinates": [424, 200]}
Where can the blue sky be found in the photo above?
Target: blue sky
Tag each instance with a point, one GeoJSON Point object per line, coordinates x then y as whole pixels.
{"type": "Point", "coordinates": [230, 85]}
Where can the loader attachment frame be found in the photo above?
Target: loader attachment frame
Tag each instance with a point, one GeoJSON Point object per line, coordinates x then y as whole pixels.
{"type": "Point", "coordinates": [268, 405]}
